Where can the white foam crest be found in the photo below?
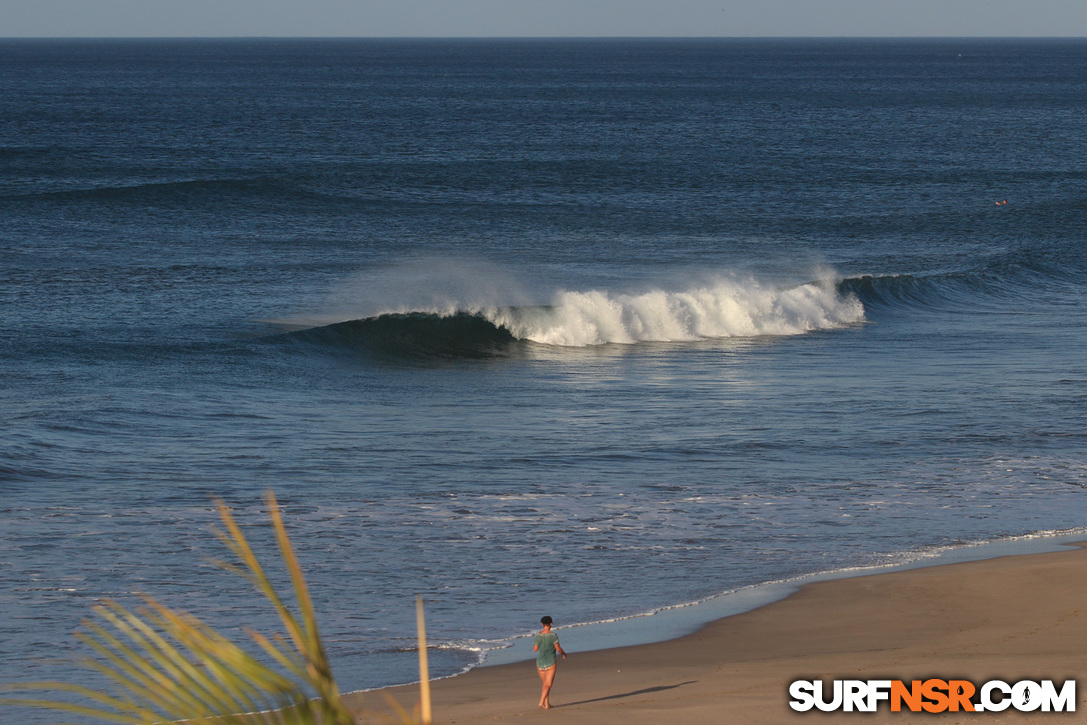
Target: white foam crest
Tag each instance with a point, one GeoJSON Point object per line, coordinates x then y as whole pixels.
{"type": "Point", "coordinates": [725, 307]}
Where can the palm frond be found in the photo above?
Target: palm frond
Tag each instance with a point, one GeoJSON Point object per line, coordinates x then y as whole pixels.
{"type": "Point", "coordinates": [165, 665]}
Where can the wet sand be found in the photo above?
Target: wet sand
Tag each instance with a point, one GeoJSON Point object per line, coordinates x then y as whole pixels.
{"type": "Point", "coordinates": [1012, 618]}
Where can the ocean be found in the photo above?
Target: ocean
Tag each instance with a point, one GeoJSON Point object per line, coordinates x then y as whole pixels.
{"type": "Point", "coordinates": [583, 328]}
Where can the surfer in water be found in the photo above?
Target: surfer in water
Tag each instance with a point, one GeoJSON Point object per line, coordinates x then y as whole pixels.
{"type": "Point", "coordinates": [545, 646]}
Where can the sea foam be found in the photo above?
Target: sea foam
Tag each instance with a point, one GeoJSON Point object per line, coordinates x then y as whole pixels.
{"type": "Point", "coordinates": [725, 307]}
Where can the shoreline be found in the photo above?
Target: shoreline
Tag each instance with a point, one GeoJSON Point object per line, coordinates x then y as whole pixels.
{"type": "Point", "coordinates": [878, 621]}
{"type": "Point", "coordinates": [679, 620]}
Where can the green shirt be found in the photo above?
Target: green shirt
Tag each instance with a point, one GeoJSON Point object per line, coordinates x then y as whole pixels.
{"type": "Point", "coordinates": [545, 655]}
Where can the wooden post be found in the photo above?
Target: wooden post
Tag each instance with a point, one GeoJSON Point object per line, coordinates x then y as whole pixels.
{"type": "Point", "coordinates": [424, 670]}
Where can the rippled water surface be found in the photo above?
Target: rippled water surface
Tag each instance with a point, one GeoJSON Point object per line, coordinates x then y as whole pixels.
{"type": "Point", "coordinates": [582, 328]}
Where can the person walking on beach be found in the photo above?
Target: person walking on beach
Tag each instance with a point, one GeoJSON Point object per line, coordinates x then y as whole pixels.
{"type": "Point", "coordinates": [545, 646]}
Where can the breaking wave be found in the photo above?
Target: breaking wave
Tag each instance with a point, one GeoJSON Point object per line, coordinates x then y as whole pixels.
{"type": "Point", "coordinates": [722, 309]}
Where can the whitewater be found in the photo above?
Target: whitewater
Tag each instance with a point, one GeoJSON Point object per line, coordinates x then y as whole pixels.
{"type": "Point", "coordinates": [727, 308]}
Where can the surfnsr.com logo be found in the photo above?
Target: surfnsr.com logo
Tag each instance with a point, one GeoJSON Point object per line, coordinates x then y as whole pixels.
{"type": "Point", "coordinates": [933, 695]}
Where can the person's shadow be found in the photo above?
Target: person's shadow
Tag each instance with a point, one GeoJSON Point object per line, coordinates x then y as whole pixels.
{"type": "Point", "coordinates": [645, 691]}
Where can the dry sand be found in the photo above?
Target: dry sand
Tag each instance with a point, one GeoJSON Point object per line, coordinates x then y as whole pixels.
{"type": "Point", "coordinates": [1012, 618]}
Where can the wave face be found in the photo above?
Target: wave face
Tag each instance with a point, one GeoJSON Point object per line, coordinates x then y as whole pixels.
{"type": "Point", "coordinates": [894, 291]}
{"type": "Point", "coordinates": [725, 308]}
{"type": "Point", "coordinates": [1014, 278]}
{"type": "Point", "coordinates": [414, 334]}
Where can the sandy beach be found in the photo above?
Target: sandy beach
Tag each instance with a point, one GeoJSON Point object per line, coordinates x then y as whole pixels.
{"type": "Point", "coordinates": [1012, 618]}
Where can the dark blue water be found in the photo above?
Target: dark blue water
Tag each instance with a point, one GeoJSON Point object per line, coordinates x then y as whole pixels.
{"type": "Point", "coordinates": [581, 328]}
